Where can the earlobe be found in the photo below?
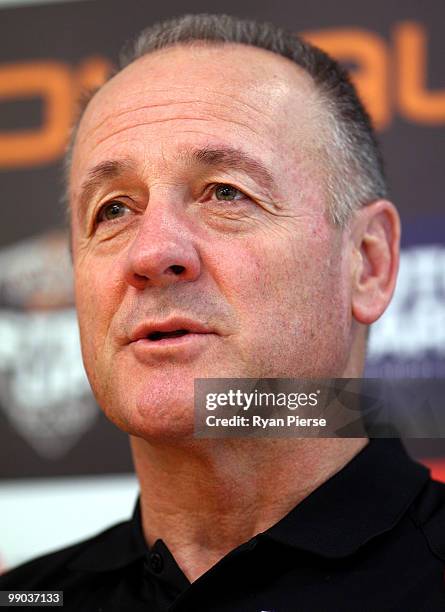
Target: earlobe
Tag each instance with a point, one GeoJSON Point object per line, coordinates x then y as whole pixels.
{"type": "Point", "coordinates": [376, 236]}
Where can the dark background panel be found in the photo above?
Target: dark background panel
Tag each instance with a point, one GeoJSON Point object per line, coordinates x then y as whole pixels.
{"type": "Point", "coordinates": [71, 35]}
{"type": "Point", "coordinates": [102, 449]}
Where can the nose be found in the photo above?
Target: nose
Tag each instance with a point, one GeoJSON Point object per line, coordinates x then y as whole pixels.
{"type": "Point", "coordinates": [162, 252]}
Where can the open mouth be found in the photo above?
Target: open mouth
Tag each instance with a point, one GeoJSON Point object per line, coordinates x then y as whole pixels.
{"type": "Point", "coordinates": [159, 335]}
{"type": "Point", "coordinates": [174, 332]}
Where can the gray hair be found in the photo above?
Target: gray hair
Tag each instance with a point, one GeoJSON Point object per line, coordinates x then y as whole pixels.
{"type": "Point", "coordinates": [355, 175]}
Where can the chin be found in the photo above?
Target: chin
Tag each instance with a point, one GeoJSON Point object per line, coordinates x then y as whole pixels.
{"type": "Point", "coordinates": [154, 411]}
{"type": "Point", "coordinates": [166, 432]}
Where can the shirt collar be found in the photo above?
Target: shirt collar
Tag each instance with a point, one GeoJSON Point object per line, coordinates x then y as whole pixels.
{"type": "Point", "coordinates": [364, 499]}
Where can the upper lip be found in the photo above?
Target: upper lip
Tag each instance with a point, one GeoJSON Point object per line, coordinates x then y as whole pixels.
{"type": "Point", "coordinates": [174, 324]}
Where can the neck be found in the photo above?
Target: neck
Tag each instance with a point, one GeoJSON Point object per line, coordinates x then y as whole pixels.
{"type": "Point", "coordinates": [205, 497]}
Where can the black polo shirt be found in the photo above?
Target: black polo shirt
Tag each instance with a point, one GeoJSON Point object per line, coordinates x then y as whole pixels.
{"type": "Point", "coordinates": [371, 538]}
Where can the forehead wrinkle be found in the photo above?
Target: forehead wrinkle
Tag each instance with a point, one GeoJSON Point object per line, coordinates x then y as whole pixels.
{"type": "Point", "coordinates": [116, 115]}
{"type": "Point", "coordinates": [239, 103]}
{"type": "Point", "coordinates": [145, 123]}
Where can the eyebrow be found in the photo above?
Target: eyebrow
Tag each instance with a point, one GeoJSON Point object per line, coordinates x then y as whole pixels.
{"type": "Point", "coordinates": [98, 175]}
{"type": "Point", "coordinates": [210, 157]}
{"type": "Point", "coordinates": [235, 159]}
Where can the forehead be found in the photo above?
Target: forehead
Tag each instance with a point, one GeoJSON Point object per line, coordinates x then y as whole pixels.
{"type": "Point", "coordinates": [237, 94]}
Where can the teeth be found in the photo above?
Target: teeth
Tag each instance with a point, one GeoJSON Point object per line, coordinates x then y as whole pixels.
{"type": "Point", "coordinates": [157, 335]}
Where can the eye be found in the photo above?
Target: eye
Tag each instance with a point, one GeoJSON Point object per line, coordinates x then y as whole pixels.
{"type": "Point", "coordinates": [228, 192]}
{"type": "Point", "coordinates": [112, 210]}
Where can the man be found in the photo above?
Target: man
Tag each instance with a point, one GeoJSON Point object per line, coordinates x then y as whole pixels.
{"type": "Point", "coordinates": [230, 219]}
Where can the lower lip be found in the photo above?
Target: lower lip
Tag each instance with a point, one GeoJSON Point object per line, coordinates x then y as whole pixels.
{"type": "Point", "coordinates": [178, 345]}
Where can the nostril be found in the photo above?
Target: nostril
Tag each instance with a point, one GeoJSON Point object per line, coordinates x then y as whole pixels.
{"type": "Point", "coordinates": [177, 269]}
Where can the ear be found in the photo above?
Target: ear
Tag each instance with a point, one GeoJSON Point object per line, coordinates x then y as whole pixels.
{"type": "Point", "coordinates": [376, 236]}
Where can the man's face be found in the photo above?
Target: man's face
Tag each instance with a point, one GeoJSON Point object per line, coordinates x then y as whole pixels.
{"type": "Point", "coordinates": [198, 205]}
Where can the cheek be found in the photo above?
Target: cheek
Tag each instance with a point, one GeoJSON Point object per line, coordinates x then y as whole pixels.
{"type": "Point", "coordinates": [98, 292]}
{"type": "Point", "coordinates": [284, 273]}
{"type": "Point", "coordinates": [292, 294]}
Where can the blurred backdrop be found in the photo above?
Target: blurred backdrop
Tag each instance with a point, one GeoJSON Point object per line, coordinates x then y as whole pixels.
{"type": "Point", "coordinates": [64, 471]}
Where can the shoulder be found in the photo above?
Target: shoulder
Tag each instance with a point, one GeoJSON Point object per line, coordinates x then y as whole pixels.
{"type": "Point", "coordinates": [428, 514]}
{"type": "Point", "coordinates": [55, 570]}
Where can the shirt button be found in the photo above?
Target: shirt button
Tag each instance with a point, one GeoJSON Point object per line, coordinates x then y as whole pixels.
{"type": "Point", "coordinates": [156, 562]}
